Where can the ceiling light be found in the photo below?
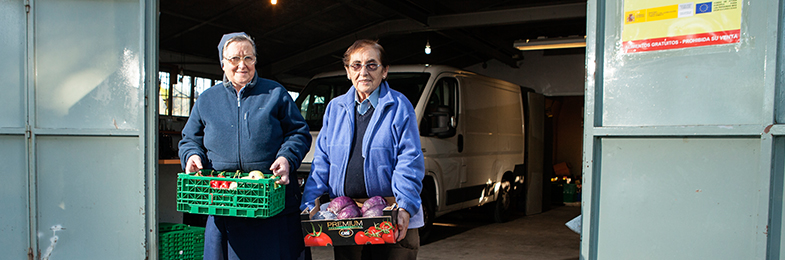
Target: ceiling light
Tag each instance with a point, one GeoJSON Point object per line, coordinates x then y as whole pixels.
{"type": "Point", "coordinates": [427, 47]}
{"type": "Point", "coordinates": [273, 1]}
{"type": "Point", "coordinates": [543, 43]}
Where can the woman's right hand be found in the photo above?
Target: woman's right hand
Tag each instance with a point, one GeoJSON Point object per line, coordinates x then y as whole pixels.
{"type": "Point", "coordinates": [194, 164]}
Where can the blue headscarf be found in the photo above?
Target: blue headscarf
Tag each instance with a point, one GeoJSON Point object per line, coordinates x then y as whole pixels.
{"type": "Point", "coordinates": [221, 44]}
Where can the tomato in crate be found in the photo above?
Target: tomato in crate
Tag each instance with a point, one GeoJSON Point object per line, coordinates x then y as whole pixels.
{"type": "Point", "coordinates": [236, 194]}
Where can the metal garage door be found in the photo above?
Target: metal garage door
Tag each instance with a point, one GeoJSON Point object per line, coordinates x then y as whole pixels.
{"type": "Point", "coordinates": [683, 136]}
{"type": "Point", "coordinates": [75, 129]}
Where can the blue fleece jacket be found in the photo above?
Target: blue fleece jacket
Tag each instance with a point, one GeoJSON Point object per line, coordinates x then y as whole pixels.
{"type": "Point", "coordinates": [393, 161]}
{"type": "Point", "coordinates": [247, 132]}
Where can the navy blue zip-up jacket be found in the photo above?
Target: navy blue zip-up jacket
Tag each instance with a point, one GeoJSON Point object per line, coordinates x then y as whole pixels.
{"type": "Point", "coordinates": [247, 132]}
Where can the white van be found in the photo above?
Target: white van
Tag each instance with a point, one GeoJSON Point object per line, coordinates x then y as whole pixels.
{"type": "Point", "coordinates": [471, 130]}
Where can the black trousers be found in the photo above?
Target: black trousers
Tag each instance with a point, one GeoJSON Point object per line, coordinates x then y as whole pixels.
{"type": "Point", "coordinates": [404, 249]}
{"type": "Point", "coordinates": [236, 238]}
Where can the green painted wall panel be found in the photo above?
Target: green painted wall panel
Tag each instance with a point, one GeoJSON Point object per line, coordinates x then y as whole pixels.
{"type": "Point", "coordinates": [88, 56]}
{"type": "Point", "coordinates": [14, 227]}
{"type": "Point", "coordinates": [87, 121]}
{"type": "Point", "coordinates": [777, 203]}
{"type": "Point", "coordinates": [679, 198]}
{"type": "Point", "coordinates": [12, 65]}
{"type": "Point", "coordinates": [712, 85]}
{"type": "Point", "coordinates": [92, 191]}
{"type": "Point", "coordinates": [680, 158]}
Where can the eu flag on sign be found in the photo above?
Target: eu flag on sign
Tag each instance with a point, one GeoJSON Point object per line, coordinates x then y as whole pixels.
{"type": "Point", "coordinates": [703, 8]}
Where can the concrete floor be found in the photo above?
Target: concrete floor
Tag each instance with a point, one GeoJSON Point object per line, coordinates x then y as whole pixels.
{"type": "Point", "coordinates": [472, 234]}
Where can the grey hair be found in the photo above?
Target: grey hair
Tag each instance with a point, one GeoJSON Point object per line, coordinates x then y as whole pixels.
{"type": "Point", "coordinates": [239, 38]}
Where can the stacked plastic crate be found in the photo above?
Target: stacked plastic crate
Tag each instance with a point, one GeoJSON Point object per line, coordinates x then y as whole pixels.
{"type": "Point", "coordinates": [180, 241]}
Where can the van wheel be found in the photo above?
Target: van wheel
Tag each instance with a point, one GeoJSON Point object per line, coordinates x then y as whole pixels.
{"type": "Point", "coordinates": [428, 196]}
{"type": "Point", "coordinates": [503, 208]}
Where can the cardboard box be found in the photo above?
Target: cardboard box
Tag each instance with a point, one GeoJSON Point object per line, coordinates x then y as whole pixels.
{"type": "Point", "coordinates": [561, 169]}
{"type": "Point", "coordinates": [350, 231]}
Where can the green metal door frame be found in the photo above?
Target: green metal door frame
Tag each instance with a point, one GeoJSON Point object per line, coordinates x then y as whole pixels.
{"type": "Point", "coordinates": [755, 132]}
{"type": "Point", "coordinates": [150, 41]}
{"type": "Point", "coordinates": [49, 139]}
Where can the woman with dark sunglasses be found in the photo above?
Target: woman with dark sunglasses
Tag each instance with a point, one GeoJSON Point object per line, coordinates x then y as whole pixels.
{"type": "Point", "coordinates": [369, 146]}
{"type": "Point", "coordinates": [248, 123]}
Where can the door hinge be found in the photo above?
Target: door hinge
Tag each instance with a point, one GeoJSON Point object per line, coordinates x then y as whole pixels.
{"type": "Point", "coordinates": [28, 131]}
{"type": "Point", "coordinates": [27, 6]}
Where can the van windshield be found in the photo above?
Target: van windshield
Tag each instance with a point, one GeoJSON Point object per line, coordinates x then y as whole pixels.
{"type": "Point", "coordinates": [313, 99]}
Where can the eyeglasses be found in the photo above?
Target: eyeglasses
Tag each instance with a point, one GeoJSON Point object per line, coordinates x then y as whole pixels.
{"type": "Point", "coordinates": [248, 60]}
{"type": "Point", "coordinates": [369, 66]}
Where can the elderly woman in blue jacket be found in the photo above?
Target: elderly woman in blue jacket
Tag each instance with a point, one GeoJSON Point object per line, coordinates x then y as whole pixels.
{"type": "Point", "coordinates": [369, 145]}
{"type": "Point", "coordinates": [248, 123]}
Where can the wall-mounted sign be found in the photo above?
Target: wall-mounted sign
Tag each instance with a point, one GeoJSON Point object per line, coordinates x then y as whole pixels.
{"type": "Point", "coordinates": [652, 25]}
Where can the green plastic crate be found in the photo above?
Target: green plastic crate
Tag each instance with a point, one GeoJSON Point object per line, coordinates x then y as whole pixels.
{"type": "Point", "coordinates": [179, 241]}
{"type": "Point", "coordinates": [261, 198]}
{"type": "Point", "coordinates": [166, 227]}
{"type": "Point", "coordinates": [569, 192]}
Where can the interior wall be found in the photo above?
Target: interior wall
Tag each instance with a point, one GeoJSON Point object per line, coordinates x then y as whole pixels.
{"type": "Point", "coordinates": [559, 75]}
{"type": "Point", "coordinates": [562, 143]}
{"type": "Point", "coordinates": [167, 193]}
{"type": "Point", "coordinates": [170, 61]}
{"type": "Point", "coordinates": [567, 125]}
{"type": "Point", "coordinates": [549, 72]}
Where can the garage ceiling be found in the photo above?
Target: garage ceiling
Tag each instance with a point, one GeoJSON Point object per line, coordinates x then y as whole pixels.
{"type": "Point", "coordinates": [300, 38]}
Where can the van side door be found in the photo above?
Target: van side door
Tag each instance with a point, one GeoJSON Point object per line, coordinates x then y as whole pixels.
{"type": "Point", "coordinates": [442, 137]}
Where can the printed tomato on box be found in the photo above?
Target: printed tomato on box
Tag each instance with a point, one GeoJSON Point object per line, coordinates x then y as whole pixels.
{"type": "Point", "coordinates": [360, 238]}
{"type": "Point", "coordinates": [350, 231]}
{"type": "Point", "coordinates": [317, 238]}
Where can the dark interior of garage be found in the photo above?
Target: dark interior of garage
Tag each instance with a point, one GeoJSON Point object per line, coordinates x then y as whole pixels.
{"type": "Point", "coordinates": [299, 39]}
